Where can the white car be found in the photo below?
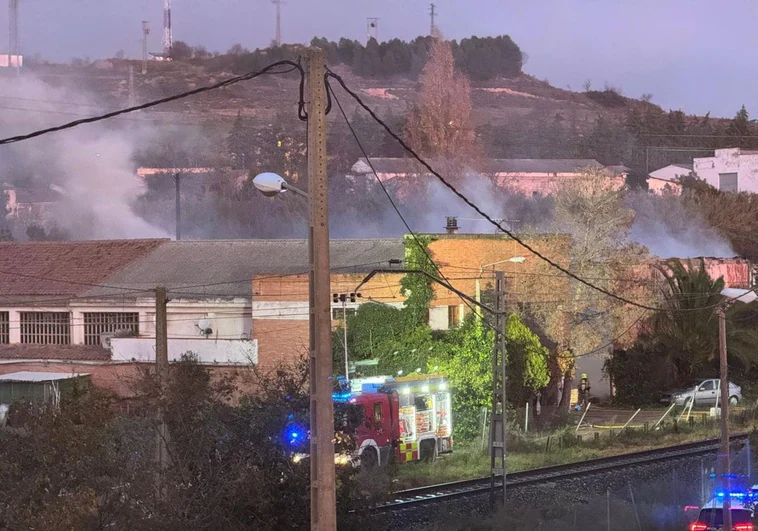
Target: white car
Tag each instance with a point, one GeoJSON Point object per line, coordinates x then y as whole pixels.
{"type": "Point", "coordinates": [705, 393]}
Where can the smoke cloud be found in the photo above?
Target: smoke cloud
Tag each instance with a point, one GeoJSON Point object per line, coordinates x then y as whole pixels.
{"type": "Point", "coordinates": [92, 164]}
{"type": "Point", "coordinates": [669, 229]}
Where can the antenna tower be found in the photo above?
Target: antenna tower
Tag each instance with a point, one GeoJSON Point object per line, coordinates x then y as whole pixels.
{"type": "Point", "coordinates": [432, 14]}
{"type": "Point", "coordinates": [168, 36]}
{"type": "Point", "coordinates": [372, 29]}
{"type": "Point", "coordinates": [278, 37]}
{"type": "Point", "coordinates": [13, 48]}
{"type": "Point", "coordinates": [145, 33]}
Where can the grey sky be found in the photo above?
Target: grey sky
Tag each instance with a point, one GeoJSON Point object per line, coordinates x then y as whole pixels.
{"type": "Point", "coordinates": [691, 54]}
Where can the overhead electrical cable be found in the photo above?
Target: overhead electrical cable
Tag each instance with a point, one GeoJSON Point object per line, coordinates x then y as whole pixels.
{"type": "Point", "coordinates": [270, 69]}
{"type": "Point", "coordinates": [486, 216]}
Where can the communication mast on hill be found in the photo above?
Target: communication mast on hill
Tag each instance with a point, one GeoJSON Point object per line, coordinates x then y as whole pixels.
{"type": "Point", "coordinates": [168, 36]}
{"type": "Point", "coordinates": [372, 29]}
{"type": "Point", "coordinates": [278, 37]}
{"type": "Point", "coordinates": [145, 33]}
{"type": "Point", "coordinates": [432, 14]}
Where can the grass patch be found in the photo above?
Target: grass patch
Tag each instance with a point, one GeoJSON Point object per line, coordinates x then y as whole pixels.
{"type": "Point", "coordinates": [469, 461]}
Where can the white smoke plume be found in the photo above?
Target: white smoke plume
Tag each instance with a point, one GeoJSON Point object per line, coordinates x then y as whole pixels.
{"type": "Point", "coordinates": [669, 229]}
{"type": "Point", "coordinates": [92, 163]}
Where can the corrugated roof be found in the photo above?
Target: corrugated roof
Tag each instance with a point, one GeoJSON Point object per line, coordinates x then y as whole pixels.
{"type": "Point", "coordinates": [54, 352]}
{"type": "Point", "coordinates": [28, 376]}
{"type": "Point", "coordinates": [64, 268]}
{"type": "Point", "coordinates": [411, 166]}
{"type": "Point", "coordinates": [229, 265]}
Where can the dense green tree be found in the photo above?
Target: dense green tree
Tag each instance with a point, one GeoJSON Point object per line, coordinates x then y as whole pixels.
{"type": "Point", "coordinates": [527, 361]}
{"type": "Point", "coordinates": [739, 127]}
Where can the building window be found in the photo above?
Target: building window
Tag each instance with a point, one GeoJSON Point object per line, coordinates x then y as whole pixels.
{"type": "Point", "coordinates": [46, 328]}
{"type": "Point", "coordinates": [95, 324]}
{"type": "Point", "coordinates": [337, 313]}
{"type": "Point", "coordinates": [453, 316]}
{"type": "Point", "coordinates": [728, 182]}
{"type": "Point", "coordinates": [5, 327]}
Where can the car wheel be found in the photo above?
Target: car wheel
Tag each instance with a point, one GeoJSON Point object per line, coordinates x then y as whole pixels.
{"type": "Point", "coordinates": [733, 400]}
{"type": "Point", "coordinates": [369, 458]}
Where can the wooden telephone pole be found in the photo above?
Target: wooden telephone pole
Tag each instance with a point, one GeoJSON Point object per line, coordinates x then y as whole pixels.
{"type": "Point", "coordinates": [161, 372]}
{"type": "Point", "coordinates": [323, 497]}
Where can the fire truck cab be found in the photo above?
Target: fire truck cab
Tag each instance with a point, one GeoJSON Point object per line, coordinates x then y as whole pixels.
{"type": "Point", "coordinates": [408, 418]}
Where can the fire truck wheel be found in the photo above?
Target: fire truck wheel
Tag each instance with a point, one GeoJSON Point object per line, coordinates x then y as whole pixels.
{"type": "Point", "coordinates": [369, 458]}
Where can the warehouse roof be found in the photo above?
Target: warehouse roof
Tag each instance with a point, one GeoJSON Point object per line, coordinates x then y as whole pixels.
{"type": "Point", "coordinates": [65, 268]}
{"type": "Point", "coordinates": [225, 268]}
{"type": "Point", "coordinates": [411, 166]}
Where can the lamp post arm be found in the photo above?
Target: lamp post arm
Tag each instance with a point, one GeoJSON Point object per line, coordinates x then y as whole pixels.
{"type": "Point", "coordinates": [294, 189]}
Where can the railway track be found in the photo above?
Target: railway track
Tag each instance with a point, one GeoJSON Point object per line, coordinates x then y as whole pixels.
{"type": "Point", "coordinates": [461, 489]}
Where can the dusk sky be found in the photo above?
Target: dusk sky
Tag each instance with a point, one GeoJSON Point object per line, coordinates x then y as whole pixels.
{"type": "Point", "coordinates": [696, 55]}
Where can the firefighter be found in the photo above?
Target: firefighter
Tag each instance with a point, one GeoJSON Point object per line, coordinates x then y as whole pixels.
{"type": "Point", "coordinates": [584, 391]}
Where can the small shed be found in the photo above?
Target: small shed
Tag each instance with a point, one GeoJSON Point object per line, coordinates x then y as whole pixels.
{"type": "Point", "coordinates": [40, 387]}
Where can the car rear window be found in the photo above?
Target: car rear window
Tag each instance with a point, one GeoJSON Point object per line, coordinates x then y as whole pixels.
{"type": "Point", "coordinates": [715, 518]}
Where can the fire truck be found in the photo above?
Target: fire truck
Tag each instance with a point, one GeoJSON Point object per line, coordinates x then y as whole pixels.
{"type": "Point", "coordinates": [408, 418]}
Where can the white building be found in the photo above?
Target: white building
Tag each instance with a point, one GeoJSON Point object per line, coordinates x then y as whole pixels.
{"type": "Point", "coordinates": [729, 170]}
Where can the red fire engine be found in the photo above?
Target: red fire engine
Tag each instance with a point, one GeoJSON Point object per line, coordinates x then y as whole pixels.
{"type": "Point", "coordinates": [409, 416]}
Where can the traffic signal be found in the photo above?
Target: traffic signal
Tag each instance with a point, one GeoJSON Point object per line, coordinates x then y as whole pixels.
{"type": "Point", "coordinates": [335, 298]}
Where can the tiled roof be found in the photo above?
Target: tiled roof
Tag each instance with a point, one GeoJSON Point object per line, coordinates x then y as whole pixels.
{"type": "Point", "coordinates": [229, 265]}
{"type": "Point", "coordinates": [54, 352]}
{"type": "Point", "coordinates": [65, 268]}
{"type": "Point", "coordinates": [410, 166]}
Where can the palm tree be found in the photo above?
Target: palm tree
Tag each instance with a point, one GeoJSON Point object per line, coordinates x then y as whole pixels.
{"type": "Point", "coordinates": [686, 333]}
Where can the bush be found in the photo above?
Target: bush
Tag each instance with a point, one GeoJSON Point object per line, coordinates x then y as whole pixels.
{"type": "Point", "coordinates": [607, 98]}
{"type": "Point", "coordinates": [635, 376]}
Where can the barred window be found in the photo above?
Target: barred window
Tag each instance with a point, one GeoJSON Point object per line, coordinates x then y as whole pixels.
{"type": "Point", "coordinates": [5, 327]}
{"type": "Point", "coordinates": [46, 328]}
{"type": "Point", "coordinates": [126, 323]}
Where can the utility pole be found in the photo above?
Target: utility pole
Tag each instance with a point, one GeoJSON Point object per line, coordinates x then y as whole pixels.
{"type": "Point", "coordinates": [13, 48]}
{"type": "Point", "coordinates": [372, 26]}
{"type": "Point", "coordinates": [161, 372]}
{"type": "Point", "coordinates": [343, 298]}
{"type": "Point", "coordinates": [323, 498]}
{"type": "Point", "coordinates": [178, 206]}
{"type": "Point", "coordinates": [724, 417]}
{"type": "Point", "coordinates": [498, 413]}
{"type": "Point", "coordinates": [145, 33]}
{"type": "Point", "coordinates": [278, 37]}
{"type": "Point", "coordinates": [132, 98]}
{"type": "Point", "coordinates": [432, 14]}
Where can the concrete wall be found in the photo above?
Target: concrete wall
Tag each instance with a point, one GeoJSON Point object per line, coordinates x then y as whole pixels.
{"type": "Point", "coordinates": [734, 160]}
{"type": "Point", "coordinates": [207, 350]}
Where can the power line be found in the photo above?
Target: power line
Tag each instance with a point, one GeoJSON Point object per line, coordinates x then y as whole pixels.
{"type": "Point", "coordinates": [389, 197]}
{"type": "Point", "coordinates": [270, 69]}
{"type": "Point", "coordinates": [479, 211]}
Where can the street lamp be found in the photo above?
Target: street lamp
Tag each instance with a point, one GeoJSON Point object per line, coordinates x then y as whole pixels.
{"type": "Point", "coordinates": [271, 184]}
{"type": "Point", "coordinates": [733, 295]}
{"type": "Point", "coordinates": [512, 260]}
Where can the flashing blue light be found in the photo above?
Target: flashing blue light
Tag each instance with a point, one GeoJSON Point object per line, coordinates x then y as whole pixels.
{"type": "Point", "coordinates": [342, 397]}
{"type": "Point", "coordinates": [294, 435]}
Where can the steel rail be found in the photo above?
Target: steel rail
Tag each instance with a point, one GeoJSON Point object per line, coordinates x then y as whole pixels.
{"type": "Point", "coordinates": [460, 489]}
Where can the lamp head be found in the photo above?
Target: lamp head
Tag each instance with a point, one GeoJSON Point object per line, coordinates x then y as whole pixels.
{"type": "Point", "coordinates": [269, 184]}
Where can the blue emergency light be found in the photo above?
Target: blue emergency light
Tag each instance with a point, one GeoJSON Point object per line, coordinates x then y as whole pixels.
{"type": "Point", "coordinates": [343, 396]}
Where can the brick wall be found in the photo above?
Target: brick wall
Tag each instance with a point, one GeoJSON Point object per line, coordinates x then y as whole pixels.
{"type": "Point", "coordinates": [280, 310]}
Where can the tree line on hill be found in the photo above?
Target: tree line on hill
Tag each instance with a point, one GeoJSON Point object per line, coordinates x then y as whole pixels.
{"type": "Point", "coordinates": [480, 58]}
